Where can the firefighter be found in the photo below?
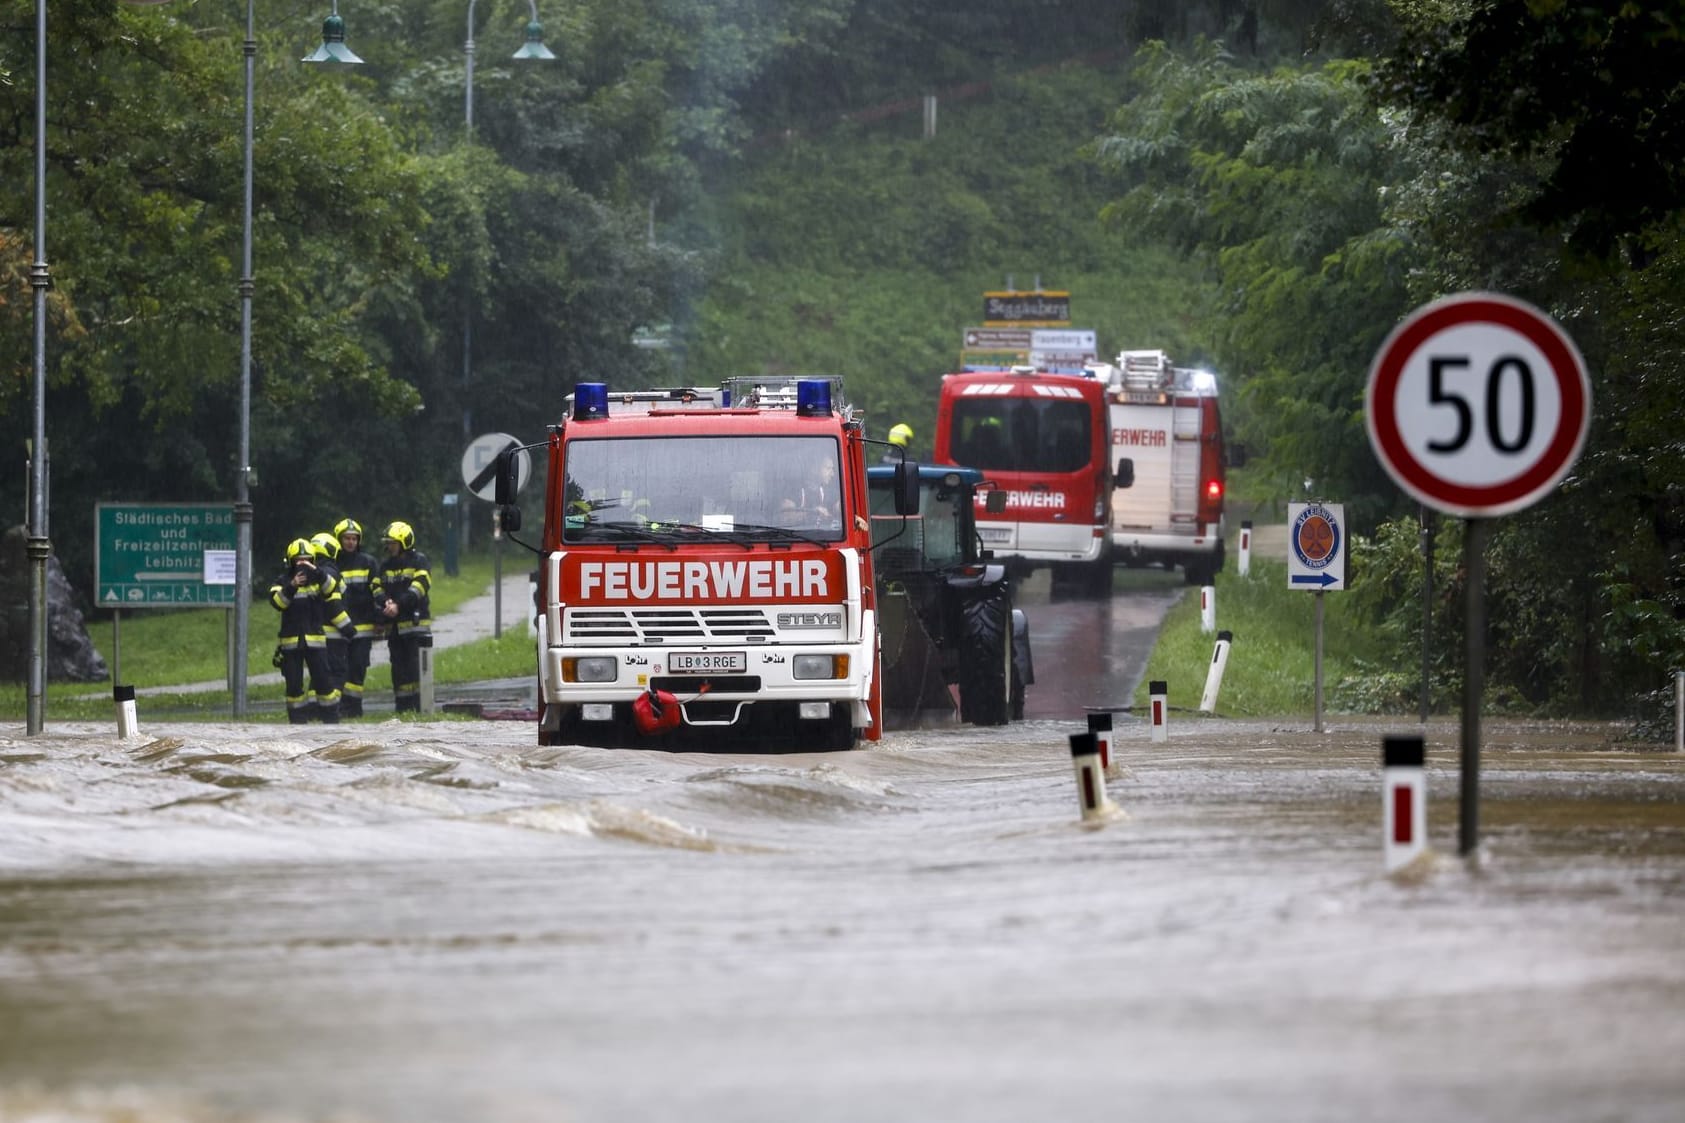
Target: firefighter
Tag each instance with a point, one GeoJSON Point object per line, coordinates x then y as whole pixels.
{"type": "Point", "coordinates": [901, 436]}
{"type": "Point", "coordinates": [337, 628]}
{"type": "Point", "coordinates": [816, 502]}
{"type": "Point", "coordinates": [400, 591]}
{"type": "Point", "coordinates": [356, 569]}
{"type": "Point", "coordinates": [299, 596]}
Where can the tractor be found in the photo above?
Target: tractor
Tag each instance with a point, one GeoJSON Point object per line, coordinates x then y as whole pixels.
{"type": "Point", "coordinates": [945, 613]}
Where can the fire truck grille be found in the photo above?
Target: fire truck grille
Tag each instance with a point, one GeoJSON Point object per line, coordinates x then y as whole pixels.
{"type": "Point", "coordinates": [664, 625]}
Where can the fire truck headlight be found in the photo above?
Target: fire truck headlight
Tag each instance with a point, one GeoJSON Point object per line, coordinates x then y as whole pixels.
{"type": "Point", "coordinates": [591, 668]}
{"type": "Point", "coordinates": [819, 666]}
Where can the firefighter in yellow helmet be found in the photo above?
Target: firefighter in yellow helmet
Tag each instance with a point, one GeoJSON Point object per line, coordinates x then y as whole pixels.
{"type": "Point", "coordinates": [337, 626]}
{"type": "Point", "coordinates": [356, 568]}
{"type": "Point", "coordinates": [401, 586]}
{"type": "Point", "coordinates": [901, 436]}
{"type": "Point", "coordinates": [300, 596]}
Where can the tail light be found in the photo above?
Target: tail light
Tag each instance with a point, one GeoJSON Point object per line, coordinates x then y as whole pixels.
{"type": "Point", "coordinates": [1211, 501]}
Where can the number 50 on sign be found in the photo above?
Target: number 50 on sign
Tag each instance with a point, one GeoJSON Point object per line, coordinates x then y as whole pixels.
{"type": "Point", "coordinates": [1478, 404]}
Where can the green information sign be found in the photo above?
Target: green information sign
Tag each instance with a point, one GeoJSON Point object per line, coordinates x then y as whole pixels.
{"type": "Point", "coordinates": [163, 555]}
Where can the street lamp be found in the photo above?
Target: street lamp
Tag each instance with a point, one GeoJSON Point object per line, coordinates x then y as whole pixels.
{"type": "Point", "coordinates": [38, 546]}
{"type": "Point", "coordinates": [333, 53]}
{"type": "Point", "coordinates": [533, 48]}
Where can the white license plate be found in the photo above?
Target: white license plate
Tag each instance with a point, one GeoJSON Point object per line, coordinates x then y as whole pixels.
{"type": "Point", "coordinates": [994, 534]}
{"type": "Point", "coordinates": [707, 662]}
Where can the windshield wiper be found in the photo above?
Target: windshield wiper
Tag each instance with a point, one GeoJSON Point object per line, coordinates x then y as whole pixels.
{"type": "Point", "coordinates": [784, 532]}
{"type": "Point", "coordinates": [625, 529]}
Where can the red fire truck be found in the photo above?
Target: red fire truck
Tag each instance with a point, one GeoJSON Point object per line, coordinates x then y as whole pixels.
{"type": "Point", "coordinates": [706, 568]}
{"type": "Point", "coordinates": [1043, 438]}
{"type": "Point", "coordinates": [1169, 458]}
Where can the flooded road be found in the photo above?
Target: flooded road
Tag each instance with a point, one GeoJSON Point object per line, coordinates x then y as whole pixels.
{"type": "Point", "coordinates": [443, 922]}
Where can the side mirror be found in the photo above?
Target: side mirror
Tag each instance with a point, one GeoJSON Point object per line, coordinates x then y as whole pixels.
{"type": "Point", "coordinates": [507, 482]}
{"type": "Point", "coordinates": [907, 488]}
{"type": "Point", "coordinates": [994, 503]}
{"type": "Point", "coordinates": [1125, 474]}
{"type": "Point", "coordinates": [1237, 455]}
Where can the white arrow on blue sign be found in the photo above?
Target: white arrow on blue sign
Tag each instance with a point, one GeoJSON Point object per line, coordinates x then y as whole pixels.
{"type": "Point", "coordinates": [1316, 546]}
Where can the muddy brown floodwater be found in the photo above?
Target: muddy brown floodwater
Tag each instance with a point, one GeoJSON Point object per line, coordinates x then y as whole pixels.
{"type": "Point", "coordinates": [443, 922]}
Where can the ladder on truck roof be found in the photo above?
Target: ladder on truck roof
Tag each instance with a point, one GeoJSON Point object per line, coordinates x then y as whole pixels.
{"type": "Point", "coordinates": [750, 392]}
{"type": "Point", "coordinates": [1144, 370]}
{"type": "Point", "coordinates": [669, 397]}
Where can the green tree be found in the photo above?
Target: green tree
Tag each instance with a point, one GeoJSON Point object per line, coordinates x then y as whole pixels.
{"type": "Point", "coordinates": [1274, 178]}
{"type": "Point", "coordinates": [145, 155]}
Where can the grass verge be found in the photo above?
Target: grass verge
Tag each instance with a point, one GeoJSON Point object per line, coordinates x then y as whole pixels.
{"type": "Point", "coordinates": [1271, 669]}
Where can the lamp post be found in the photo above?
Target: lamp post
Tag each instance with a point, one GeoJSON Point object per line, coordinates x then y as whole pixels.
{"type": "Point", "coordinates": [39, 546]}
{"type": "Point", "coordinates": [533, 48]}
{"type": "Point", "coordinates": [333, 53]}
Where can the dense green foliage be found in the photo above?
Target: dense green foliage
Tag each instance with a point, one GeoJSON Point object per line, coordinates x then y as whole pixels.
{"type": "Point", "coordinates": [1264, 185]}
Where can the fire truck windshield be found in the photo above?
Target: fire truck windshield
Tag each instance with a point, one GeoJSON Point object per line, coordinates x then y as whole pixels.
{"type": "Point", "coordinates": [672, 488]}
{"type": "Point", "coordinates": [1021, 434]}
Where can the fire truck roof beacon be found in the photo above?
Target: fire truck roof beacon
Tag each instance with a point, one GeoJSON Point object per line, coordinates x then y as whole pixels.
{"type": "Point", "coordinates": [813, 397]}
{"type": "Point", "coordinates": [590, 401]}
{"type": "Point", "coordinates": [725, 397]}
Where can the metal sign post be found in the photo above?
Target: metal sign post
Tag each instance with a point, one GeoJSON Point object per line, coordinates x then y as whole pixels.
{"type": "Point", "coordinates": [1477, 405]}
{"type": "Point", "coordinates": [1316, 561]}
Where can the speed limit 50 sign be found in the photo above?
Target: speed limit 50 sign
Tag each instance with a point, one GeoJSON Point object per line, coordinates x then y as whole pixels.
{"type": "Point", "coordinates": [1478, 404]}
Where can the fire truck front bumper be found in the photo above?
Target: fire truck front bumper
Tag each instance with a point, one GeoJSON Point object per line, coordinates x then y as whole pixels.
{"type": "Point", "coordinates": [712, 687]}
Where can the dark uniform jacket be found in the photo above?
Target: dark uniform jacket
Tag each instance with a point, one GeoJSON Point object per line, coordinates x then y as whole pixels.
{"type": "Point", "coordinates": [403, 578]}
{"type": "Point", "coordinates": [357, 569]}
{"type": "Point", "coordinates": [307, 609]}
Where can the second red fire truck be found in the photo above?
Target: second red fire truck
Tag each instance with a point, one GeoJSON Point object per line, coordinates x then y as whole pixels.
{"type": "Point", "coordinates": [1122, 464]}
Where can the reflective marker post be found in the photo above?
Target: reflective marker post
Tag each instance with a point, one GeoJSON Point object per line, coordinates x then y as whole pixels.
{"type": "Point", "coordinates": [1214, 677]}
{"type": "Point", "coordinates": [1101, 726]}
{"type": "Point", "coordinates": [1404, 804]}
{"type": "Point", "coordinates": [1245, 563]}
{"type": "Point", "coordinates": [1158, 691]}
{"type": "Point", "coordinates": [1091, 780]}
{"type": "Point", "coordinates": [128, 722]}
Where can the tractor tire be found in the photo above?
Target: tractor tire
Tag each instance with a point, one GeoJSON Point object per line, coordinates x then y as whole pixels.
{"type": "Point", "coordinates": [985, 654]}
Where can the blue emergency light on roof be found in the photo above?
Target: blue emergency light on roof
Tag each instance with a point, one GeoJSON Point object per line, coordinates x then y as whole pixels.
{"type": "Point", "coordinates": [725, 397]}
{"type": "Point", "coordinates": [813, 397]}
{"type": "Point", "coordinates": [590, 401]}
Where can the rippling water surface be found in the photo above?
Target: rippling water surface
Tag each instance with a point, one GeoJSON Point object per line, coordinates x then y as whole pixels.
{"type": "Point", "coordinates": [445, 922]}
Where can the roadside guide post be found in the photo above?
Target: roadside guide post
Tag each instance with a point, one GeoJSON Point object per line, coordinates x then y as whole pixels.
{"type": "Point", "coordinates": [1316, 560]}
{"type": "Point", "coordinates": [1679, 711]}
{"type": "Point", "coordinates": [1404, 801]}
{"type": "Point", "coordinates": [1245, 563]}
{"type": "Point", "coordinates": [1214, 673]}
{"type": "Point", "coordinates": [1477, 405]}
{"type": "Point", "coordinates": [1101, 726]}
{"type": "Point", "coordinates": [1158, 694]}
{"type": "Point", "coordinates": [1091, 778]}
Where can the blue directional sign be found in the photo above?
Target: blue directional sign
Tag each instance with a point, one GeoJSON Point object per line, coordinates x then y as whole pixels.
{"type": "Point", "coordinates": [1316, 546]}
